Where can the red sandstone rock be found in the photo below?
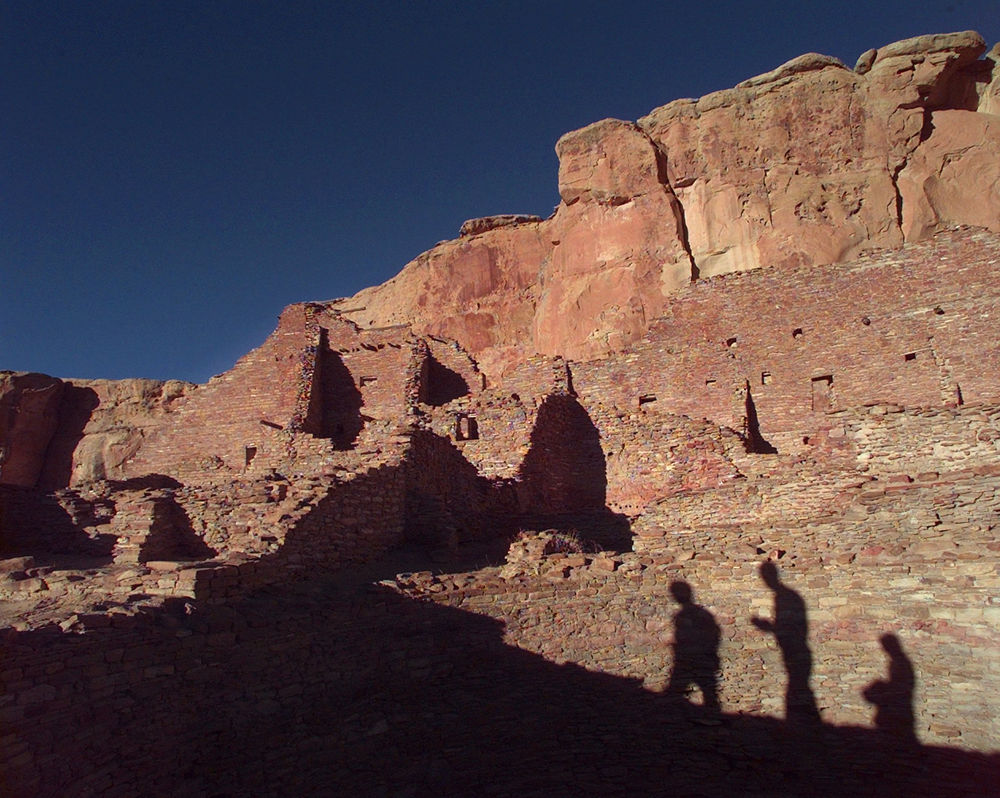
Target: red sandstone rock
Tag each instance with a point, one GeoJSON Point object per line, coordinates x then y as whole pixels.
{"type": "Point", "coordinates": [797, 166]}
{"type": "Point", "coordinates": [102, 425]}
{"type": "Point", "coordinates": [57, 433]}
{"type": "Point", "coordinates": [953, 177]}
{"type": "Point", "coordinates": [483, 224]}
{"type": "Point", "coordinates": [29, 415]}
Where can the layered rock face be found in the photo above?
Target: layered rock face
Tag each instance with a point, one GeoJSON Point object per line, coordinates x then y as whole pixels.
{"type": "Point", "coordinates": [811, 163]}
{"type": "Point", "coordinates": [58, 432]}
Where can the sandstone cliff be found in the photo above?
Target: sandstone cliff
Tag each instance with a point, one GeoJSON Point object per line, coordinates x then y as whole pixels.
{"type": "Point", "coordinates": [57, 432]}
{"type": "Point", "coordinates": [811, 163]}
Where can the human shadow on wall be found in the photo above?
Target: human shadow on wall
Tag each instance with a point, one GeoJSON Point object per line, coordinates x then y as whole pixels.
{"type": "Point", "coordinates": [893, 697]}
{"type": "Point", "coordinates": [563, 479]}
{"type": "Point", "coordinates": [328, 687]}
{"type": "Point", "coordinates": [696, 650]}
{"type": "Point", "coordinates": [790, 627]}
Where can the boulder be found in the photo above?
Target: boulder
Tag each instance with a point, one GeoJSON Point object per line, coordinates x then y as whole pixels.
{"type": "Point", "coordinates": [102, 424]}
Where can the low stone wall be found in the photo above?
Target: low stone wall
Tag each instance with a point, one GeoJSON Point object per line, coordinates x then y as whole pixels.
{"type": "Point", "coordinates": [890, 439]}
{"type": "Point", "coordinates": [920, 562]}
{"type": "Point", "coordinates": [551, 681]}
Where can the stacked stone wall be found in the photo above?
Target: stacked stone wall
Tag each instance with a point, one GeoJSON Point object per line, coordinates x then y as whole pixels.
{"type": "Point", "coordinates": [919, 561]}
{"type": "Point", "coordinates": [239, 414]}
{"type": "Point", "coordinates": [33, 521]}
{"type": "Point", "coordinates": [894, 440]}
{"type": "Point", "coordinates": [320, 688]}
{"type": "Point", "coordinates": [913, 327]}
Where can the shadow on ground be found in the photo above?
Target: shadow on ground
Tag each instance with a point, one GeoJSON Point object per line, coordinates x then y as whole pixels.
{"type": "Point", "coordinates": [338, 687]}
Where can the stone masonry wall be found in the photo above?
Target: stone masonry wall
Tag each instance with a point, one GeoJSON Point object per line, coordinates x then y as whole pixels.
{"type": "Point", "coordinates": [894, 440]}
{"type": "Point", "coordinates": [913, 327]}
{"type": "Point", "coordinates": [321, 687]}
{"type": "Point", "coordinates": [918, 561]}
{"type": "Point", "coordinates": [245, 407]}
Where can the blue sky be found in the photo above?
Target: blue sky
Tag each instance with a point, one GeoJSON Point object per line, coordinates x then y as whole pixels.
{"type": "Point", "coordinates": [175, 173]}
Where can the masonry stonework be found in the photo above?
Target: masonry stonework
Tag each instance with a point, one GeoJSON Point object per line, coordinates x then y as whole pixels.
{"type": "Point", "coordinates": [749, 549]}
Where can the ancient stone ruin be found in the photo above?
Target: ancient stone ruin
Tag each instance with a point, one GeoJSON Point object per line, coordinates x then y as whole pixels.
{"type": "Point", "coordinates": [691, 488]}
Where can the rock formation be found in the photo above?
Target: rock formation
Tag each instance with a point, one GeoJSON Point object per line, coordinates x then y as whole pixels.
{"type": "Point", "coordinates": [811, 163]}
{"type": "Point", "coordinates": [659, 392]}
{"type": "Point", "coordinates": [61, 432]}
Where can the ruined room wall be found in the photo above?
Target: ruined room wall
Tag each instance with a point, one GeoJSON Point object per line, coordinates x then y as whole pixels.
{"type": "Point", "coordinates": [919, 561]}
{"type": "Point", "coordinates": [930, 302]}
{"type": "Point", "coordinates": [276, 690]}
{"type": "Point", "coordinates": [214, 425]}
{"type": "Point", "coordinates": [895, 440]}
{"type": "Point", "coordinates": [251, 419]}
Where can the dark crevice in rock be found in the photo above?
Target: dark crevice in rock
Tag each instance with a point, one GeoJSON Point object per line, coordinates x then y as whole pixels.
{"type": "Point", "coordinates": [682, 228]}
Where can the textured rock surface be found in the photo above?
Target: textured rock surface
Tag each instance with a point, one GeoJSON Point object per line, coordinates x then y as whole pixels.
{"type": "Point", "coordinates": [102, 423]}
{"type": "Point", "coordinates": [953, 177]}
{"type": "Point", "coordinates": [29, 414]}
{"type": "Point", "coordinates": [66, 432]}
{"type": "Point", "coordinates": [809, 163]}
{"type": "Point", "coordinates": [474, 227]}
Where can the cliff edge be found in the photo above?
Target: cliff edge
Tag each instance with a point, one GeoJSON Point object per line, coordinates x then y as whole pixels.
{"type": "Point", "coordinates": [811, 163]}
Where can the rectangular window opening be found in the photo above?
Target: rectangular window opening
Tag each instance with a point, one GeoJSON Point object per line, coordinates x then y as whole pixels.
{"type": "Point", "coordinates": [822, 393]}
{"type": "Point", "coordinates": [765, 378]}
{"type": "Point", "coordinates": [466, 428]}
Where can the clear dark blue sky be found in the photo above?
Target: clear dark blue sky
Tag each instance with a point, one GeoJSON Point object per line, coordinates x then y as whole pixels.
{"type": "Point", "coordinates": [174, 173]}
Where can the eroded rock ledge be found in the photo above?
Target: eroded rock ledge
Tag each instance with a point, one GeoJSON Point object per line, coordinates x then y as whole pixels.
{"type": "Point", "coordinates": [810, 163]}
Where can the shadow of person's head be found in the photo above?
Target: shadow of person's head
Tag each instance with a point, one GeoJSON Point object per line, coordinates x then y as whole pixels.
{"type": "Point", "coordinates": [681, 591]}
{"type": "Point", "coordinates": [891, 645]}
{"type": "Point", "coordinates": [769, 573]}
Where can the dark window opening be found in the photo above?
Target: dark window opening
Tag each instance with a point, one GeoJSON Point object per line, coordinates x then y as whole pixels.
{"type": "Point", "coordinates": [709, 382]}
{"type": "Point", "coordinates": [645, 399]}
{"type": "Point", "coordinates": [440, 384]}
{"type": "Point", "coordinates": [368, 380]}
{"type": "Point", "coordinates": [938, 311]}
{"type": "Point", "coordinates": [250, 452]}
{"type": "Point", "coordinates": [910, 356]}
{"type": "Point", "coordinates": [865, 321]}
{"type": "Point", "coordinates": [797, 332]}
{"type": "Point", "coordinates": [466, 428]}
{"type": "Point", "coordinates": [731, 341]}
{"type": "Point", "coordinates": [765, 378]}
